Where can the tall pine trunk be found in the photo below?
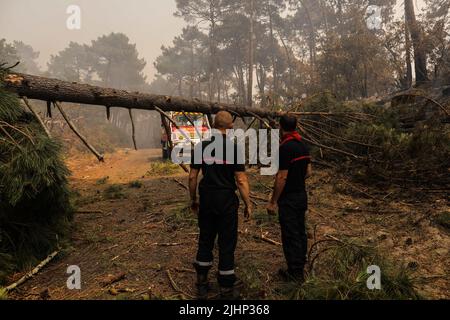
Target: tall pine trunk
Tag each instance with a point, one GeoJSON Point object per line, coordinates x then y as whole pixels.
{"type": "Point", "coordinates": [409, 76]}
{"type": "Point", "coordinates": [251, 54]}
{"type": "Point", "coordinates": [420, 57]}
{"type": "Point", "coordinates": [274, 61]}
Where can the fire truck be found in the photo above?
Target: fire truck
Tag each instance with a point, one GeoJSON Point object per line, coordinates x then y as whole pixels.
{"type": "Point", "coordinates": [186, 133]}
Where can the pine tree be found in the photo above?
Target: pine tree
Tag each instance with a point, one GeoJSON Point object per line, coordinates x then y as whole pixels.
{"type": "Point", "coordinates": [34, 195]}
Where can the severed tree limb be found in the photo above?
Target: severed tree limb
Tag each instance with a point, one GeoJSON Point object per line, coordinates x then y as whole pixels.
{"type": "Point", "coordinates": [167, 244]}
{"type": "Point", "coordinates": [167, 130]}
{"type": "Point", "coordinates": [30, 274]}
{"type": "Point", "coordinates": [82, 138]}
{"type": "Point", "coordinates": [108, 113]}
{"type": "Point", "coordinates": [169, 138]}
{"type": "Point", "coordinates": [418, 95]}
{"type": "Point", "coordinates": [193, 124]}
{"type": "Point", "coordinates": [268, 240]}
{"type": "Point", "coordinates": [133, 128]}
{"type": "Point", "coordinates": [268, 126]}
{"type": "Point", "coordinates": [36, 115]}
{"type": "Point", "coordinates": [175, 286]}
{"type": "Point", "coordinates": [318, 131]}
{"type": "Point", "coordinates": [184, 167]}
{"type": "Point", "coordinates": [174, 123]}
{"type": "Point", "coordinates": [49, 109]}
{"type": "Point", "coordinates": [251, 124]}
{"type": "Point", "coordinates": [318, 144]}
{"type": "Point", "coordinates": [181, 184]}
{"type": "Point", "coordinates": [263, 237]}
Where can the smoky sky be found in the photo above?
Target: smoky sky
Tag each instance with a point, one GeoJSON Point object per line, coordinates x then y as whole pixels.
{"type": "Point", "coordinates": [42, 24]}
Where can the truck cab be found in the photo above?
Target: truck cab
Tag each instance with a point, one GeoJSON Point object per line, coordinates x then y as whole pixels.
{"type": "Point", "coordinates": [192, 127]}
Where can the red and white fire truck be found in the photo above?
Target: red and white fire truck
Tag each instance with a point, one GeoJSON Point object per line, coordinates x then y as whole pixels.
{"type": "Point", "coordinates": [192, 128]}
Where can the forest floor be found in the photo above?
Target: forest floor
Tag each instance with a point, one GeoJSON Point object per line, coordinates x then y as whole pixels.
{"type": "Point", "coordinates": [134, 237]}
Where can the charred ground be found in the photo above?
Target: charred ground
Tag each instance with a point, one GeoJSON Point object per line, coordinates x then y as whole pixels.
{"type": "Point", "coordinates": [134, 237]}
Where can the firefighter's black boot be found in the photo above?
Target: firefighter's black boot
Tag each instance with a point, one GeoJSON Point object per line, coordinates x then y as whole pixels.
{"type": "Point", "coordinates": [231, 292]}
{"type": "Point", "coordinates": [202, 286]}
{"type": "Point", "coordinates": [202, 283]}
{"type": "Point", "coordinates": [295, 276]}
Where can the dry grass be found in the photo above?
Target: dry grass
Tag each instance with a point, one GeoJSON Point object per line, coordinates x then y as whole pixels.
{"type": "Point", "coordinates": [163, 168]}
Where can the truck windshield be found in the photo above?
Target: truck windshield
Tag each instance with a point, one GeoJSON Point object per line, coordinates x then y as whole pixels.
{"type": "Point", "coordinates": [183, 121]}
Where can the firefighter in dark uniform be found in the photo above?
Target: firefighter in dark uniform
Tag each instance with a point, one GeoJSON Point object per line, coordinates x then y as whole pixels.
{"type": "Point", "coordinates": [290, 197]}
{"type": "Point", "coordinates": [218, 209]}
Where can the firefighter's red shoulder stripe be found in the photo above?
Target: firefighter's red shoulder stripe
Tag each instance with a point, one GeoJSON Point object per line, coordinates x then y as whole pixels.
{"type": "Point", "coordinates": [301, 158]}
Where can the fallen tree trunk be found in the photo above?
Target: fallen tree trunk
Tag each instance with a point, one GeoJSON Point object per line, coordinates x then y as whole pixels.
{"type": "Point", "coordinates": [47, 89]}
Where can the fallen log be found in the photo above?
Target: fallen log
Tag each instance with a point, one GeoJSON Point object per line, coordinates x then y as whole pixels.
{"type": "Point", "coordinates": [48, 89]}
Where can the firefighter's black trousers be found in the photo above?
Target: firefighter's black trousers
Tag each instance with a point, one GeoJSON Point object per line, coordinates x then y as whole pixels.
{"type": "Point", "coordinates": [218, 217]}
{"type": "Point", "coordinates": [292, 209]}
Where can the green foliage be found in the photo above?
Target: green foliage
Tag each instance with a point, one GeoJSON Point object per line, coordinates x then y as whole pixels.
{"type": "Point", "coordinates": [392, 145]}
{"type": "Point", "coordinates": [7, 100]}
{"type": "Point", "coordinates": [6, 264]}
{"type": "Point", "coordinates": [263, 219]}
{"type": "Point", "coordinates": [3, 294]}
{"type": "Point", "coordinates": [342, 275]}
{"type": "Point", "coordinates": [181, 215]}
{"type": "Point", "coordinates": [114, 191]}
{"type": "Point", "coordinates": [443, 220]}
{"type": "Point", "coordinates": [35, 207]}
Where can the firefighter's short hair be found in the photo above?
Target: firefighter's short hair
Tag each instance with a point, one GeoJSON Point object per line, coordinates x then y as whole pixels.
{"type": "Point", "coordinates": [223, 120]}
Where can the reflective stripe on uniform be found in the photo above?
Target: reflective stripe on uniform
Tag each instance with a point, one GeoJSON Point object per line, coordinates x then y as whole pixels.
{"type": "Point", "coordinates": [204, 264]}
{"type": "Point", "coordinates": [226, 273]}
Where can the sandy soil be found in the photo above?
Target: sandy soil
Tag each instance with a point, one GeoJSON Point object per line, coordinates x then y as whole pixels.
{"type": "Point", "coordinates": [147, 237]}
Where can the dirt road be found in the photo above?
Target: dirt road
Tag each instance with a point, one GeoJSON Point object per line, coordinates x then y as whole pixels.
{"type": "Point", "coordinates": [135, 239]}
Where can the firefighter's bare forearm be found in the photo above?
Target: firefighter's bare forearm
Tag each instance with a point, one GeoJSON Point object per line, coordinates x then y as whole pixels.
{"type": "Point", "coordinates": [193, 177]}
{"type": "Point", "coordinates": [244, 188]}
{"type": "Point", "coordinates": [308, 171]}
{"type": "Point", "coordinates": [279, 185]}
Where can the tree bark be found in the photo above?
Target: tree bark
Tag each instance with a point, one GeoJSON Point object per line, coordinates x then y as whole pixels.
{"type": "Point", "coordinates": [47, 89]}
{"type": "Point", "coordinates": [409, 77]}
{"type": "Point", "coordinates": [274, 60]}
{"type": "Point", "coordinates": [251, 54]}
{"type": "Point", "coordinates": [133, 129]}
{"type": "Point", "coordinates": [420, 57]}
